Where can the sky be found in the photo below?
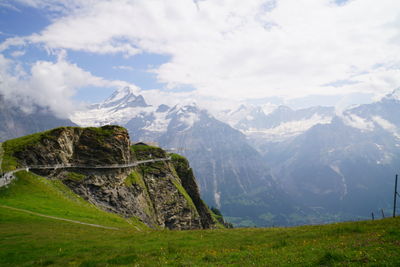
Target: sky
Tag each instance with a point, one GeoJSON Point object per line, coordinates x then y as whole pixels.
{"type": "Point", "coordinates": [64, 54]}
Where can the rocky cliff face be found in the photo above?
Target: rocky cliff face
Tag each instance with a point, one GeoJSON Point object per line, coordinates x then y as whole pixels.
{"type": "Point", "coordinates": [162, 194]}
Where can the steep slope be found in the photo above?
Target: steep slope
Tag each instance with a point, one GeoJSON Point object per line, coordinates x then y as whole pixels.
{"type": "Point", "coordinates": [153, 192]}
{"type": "Point", "coordinates": [15, 123]}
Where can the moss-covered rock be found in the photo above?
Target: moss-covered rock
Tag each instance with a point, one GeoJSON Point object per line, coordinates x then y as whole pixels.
{"type": "Point", "coordinates": [144, 152]}
{"type": "Point", "coordinates": [188, 181]}
{"type": "Point", "coordinates": [69, 145]}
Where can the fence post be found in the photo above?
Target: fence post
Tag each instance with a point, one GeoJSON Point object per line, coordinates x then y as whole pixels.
{"type": "Point", "coordinates": [373, 218]}
{"type": "Point", "coordinates": [394, 198]}
{"type": "Point", "coordinates": [383, 214]}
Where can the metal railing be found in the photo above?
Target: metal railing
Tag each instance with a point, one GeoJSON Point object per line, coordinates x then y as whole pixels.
{"type": "Point", "coordinates": [7, 177]}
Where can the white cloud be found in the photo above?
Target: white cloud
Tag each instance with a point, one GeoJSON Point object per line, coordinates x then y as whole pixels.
{"type": "Point", "coordinates": [62, 6]}
{"type": "Point", "coordinates": [13, 41]}
{"type": "Point", "coordinates": [242, 49]}
{"type": "Point", "coordinates": [49, 84]}
{"type": "Point", "coordinates": [9, 6]}
{"type": "Point", "coordinates": [18, 53]}
{"type": "Point", "coordinates": [123, 67]}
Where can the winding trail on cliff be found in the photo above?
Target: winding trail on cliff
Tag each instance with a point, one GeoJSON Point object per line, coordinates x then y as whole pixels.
{"type": "Point", "coordinates": [113, 166]}
{"type": "Point", "coordinates": [7, 177]}
{"type": "Point", "coordinates": [58, 218]}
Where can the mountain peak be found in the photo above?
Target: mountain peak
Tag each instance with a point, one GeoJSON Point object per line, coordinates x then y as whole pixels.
{"type": "Point", "coordinates": [185, 108]}
{"type": "Point", "coordinates": [124, 97]}
{"type": "Point", "coordinates": [394, 95]}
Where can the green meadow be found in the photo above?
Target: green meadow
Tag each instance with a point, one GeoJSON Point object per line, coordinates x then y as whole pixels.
{"type": "Point", "coordinates": [27, 239]}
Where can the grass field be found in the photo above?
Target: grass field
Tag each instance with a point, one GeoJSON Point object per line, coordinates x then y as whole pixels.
{"type": "Point", "coordinates": [30, 240]}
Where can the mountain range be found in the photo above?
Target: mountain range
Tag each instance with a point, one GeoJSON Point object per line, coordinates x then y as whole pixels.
{"type": "Point", "coordinates": [266, 165]}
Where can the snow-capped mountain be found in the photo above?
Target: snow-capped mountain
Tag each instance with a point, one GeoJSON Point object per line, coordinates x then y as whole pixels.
{"type": "Point", "coordinates": [119, 108]}
{"type": "Point", "coordinates": [230, 172]}
{"type": "Point", "coordinates": [275, 123]}
{"type": "Point", "coordinates": [269, 164]}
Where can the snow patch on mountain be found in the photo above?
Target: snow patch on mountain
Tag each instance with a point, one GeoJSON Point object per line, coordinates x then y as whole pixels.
{"type": "Point", "coordinates": [160, 124]}
{"type": "Point", "coordinates": [336, 169]}
{"type": "Point", "coordinates": [355, 121]}
{"type": "Point", "coordinates": [388, 126]}
{"type": "Point", "coordinates": [288, 129]}
{"type": "Point", "coordinates": [110, 115]}
{"type": "Point", "coordinates": [245, 112]}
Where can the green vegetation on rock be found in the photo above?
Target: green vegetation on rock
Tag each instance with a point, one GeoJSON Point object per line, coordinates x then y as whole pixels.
{"type": "Point", "coordinates": [184, 193]}
{"type": "Point", "coordinates": [74, 176]}
{"type": "Point", "coordinates": [101, 133]}
{"type": "Point", "coordinates": [25, 143]}
{"type": "Point", "coordinates": [135, 178]}
{"type": "Point", "coordinates": [15, 145]}
{"type": "Point", "coordinates": [143, 152]}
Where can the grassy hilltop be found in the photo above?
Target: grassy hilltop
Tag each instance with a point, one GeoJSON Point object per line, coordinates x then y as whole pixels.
{"type": "Point", "coordinates": [30, 240]}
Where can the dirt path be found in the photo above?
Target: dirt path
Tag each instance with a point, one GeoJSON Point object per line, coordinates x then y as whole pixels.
{"type": "Point", "coordinates": [60, 219]}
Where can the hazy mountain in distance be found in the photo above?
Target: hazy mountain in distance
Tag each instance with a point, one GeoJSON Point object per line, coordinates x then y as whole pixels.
{"type": "Point", "coordinates": [345, 167]}
{"type": "Point", "coordinates": [15, 122]}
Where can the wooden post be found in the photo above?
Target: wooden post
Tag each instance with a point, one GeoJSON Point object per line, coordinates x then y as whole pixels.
{"type": "Point", "coordinates": [383, 214]}
{"type": "Point", "coordinates": [373, 218]}
{"type": "Point", "coordinates": [395, 196]}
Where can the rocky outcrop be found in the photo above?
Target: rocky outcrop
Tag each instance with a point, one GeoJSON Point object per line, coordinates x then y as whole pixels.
{"type": "Point", "coordinates": [73, 145]}
{"type": "Point", "coordinates": [162, 194]}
